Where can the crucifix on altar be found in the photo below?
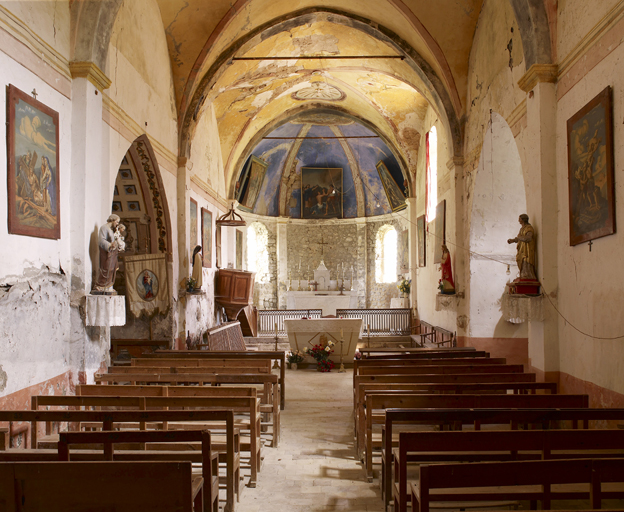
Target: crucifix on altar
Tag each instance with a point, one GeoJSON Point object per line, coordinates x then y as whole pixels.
{"type": "Point", "coordinates": [321, 274]}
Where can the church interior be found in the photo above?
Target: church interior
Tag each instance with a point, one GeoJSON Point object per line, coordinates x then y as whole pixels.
{"type": "Point", "coordinates": [418, 165]}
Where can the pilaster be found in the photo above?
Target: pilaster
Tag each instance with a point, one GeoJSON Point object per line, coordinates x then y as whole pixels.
{"type": "Point", "coordinates": [282, 261]}
{"type": "Point", "coordinates": [412, 216]}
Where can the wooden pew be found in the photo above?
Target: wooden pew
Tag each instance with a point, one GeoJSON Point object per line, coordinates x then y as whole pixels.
{"type": "Point", "coordinates": [482, 446]}
{"type": "Point", "coordinates": [199, 362]}
{"type": "Point", "coordinates": [441, 368]}
{"type": "Point", "coordinates": [377, 403]}
{"type": "Point", "coordinates": [439, 352]}
{"type": "Point", "coordinates": [119, 486]}
{"type": "Point", "coordinates": [545, 473]}
{"type": "Point", "coordinates": [443, 337]}
{"type": "Point", "coordinates": [207, 501]}
{"type": "Point", "coordinates": [110, 418]}
{"type": "Point", "coordinates": [278, 355]}
{"type": "Point", "coordinates": [248, 405]}
{"type": "Point", "coordinates": [422, 332]}
{"type": "Point", "coordinates": [456, 418]}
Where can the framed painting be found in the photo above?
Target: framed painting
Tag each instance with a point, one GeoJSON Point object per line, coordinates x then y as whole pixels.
{"type": "Point", "coordinates": [321, 193]}
{"type": "Point", "coordinates": [440, 231]}
{"type": "Point", "coordinates": [251, 183]}
{"type": "Point", "coordinates": [239, 249]}
{"type": "Point", "coordinates": [206, 237]}
{"type": "Point", "coordinates": [405, 251]}
{"type": "Point", "coordinates": [422, 241]}
{"type": "Point", "coordinates": [590, 170]}
{"type": "Point", "coordinates": [396, 199]}
{"type": "Point", "coordinates": [193, 222]}
{"type": "Point", "coordinates": [33, 175]}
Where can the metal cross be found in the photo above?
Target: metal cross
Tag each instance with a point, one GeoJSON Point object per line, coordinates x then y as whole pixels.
{"type": "Point", "coordinates": [590, 245]}
{"type": "Point", "coordinates": [321, 243]}
{"type": "Point", "coordinates": [34, 93]}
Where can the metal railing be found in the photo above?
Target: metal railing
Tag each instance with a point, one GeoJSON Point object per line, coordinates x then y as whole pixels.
{"type": "Point", "coordinates": [267, 318]}
{"type": "Point", "coordinates": [382, 322]}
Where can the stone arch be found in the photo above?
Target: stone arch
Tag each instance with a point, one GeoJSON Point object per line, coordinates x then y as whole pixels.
{"type": "Point", "coordinates": [534, 31]}
{"type": "Point", "coordinates": [444, 103]}
{"type": "Point", "coordinates": [498, 199]}
{"type": "Point", "coordinates": [91, 28]}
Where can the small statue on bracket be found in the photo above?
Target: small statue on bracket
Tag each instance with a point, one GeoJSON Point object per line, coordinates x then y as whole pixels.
{"type": "Point", "coordinates": [527, 282]}
{"type": "Point", "coordinates": [447, 285]}
{"type": "Point", "coordinates": [111, 243]}
{"type": "Point", "coordinates": [197, 262]}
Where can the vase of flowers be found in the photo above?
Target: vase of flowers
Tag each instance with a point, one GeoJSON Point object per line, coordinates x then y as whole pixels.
{"type": "Point", "coordinates": [320, 353]}
{"type": "Point", "coordinates": [190, 284]}
{"type": "Point", "coordinates": [404, 287]}
{"type": "Point", "coordinates": [294, 358]}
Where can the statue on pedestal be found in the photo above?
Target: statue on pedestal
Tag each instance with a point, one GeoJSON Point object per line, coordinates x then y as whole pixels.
{"type": "Point", "coordinates": [110, 242]}
{"type": "Point", "coordinates": [197, 261]}
{"type": "Point", "coordinates": [527, 282]}
{"type": "Point", "coordinates": [447, 285]}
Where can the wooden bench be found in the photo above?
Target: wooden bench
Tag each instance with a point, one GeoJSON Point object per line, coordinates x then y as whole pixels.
{"type": "Point", "coordinates": [440, 368]}
{"type": "Point", "coordinates": [402, 350]}
{"type": "Point", "coordinates": [482, 446]}
{"type": "Point", "coordinates": [377, 403]}
{"type": "Point", "coordinates": [456, 418]}
{"type": "Point", "coordinates": [135, 347]}
{"type": "Point", "coordinates": [470, 482]}
{"type": "Point", "coordinates": [119, 486]}
{"type": "Point", "coordinates": [109, 418]}
{"type": "Point", "coordinates": [248, 405]}
{"type": "Point", "coordinates": [422, 332]}
{"type": "Point", "coordinates": [443, 336]}
{"type": "Point", "coordinates": [278, 355]}
{"type": "Point", "coordinates": [227, 336]}
{"type": "Point", "coordinates": [208, 501]}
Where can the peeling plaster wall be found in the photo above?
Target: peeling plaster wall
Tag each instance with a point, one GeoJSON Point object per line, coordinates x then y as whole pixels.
{"type": "Point", "coordinates": [590, 282]}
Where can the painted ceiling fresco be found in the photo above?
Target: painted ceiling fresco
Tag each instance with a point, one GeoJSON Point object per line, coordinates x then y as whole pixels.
{"type": "Point", "coordinates": [329, 142]}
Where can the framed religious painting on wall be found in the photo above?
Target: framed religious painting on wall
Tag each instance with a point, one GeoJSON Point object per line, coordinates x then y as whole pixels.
{"type": "Point", "coordinates": [395, 196]}
{"type": "Point", "coordinates": [590, 170]}
{"type": "Point", "coordinates": [422, 241]}
{"type": "Point", "coordinates": [405, 251]}
{"type": "Point", "coordinates": [33, 174]}
{"type": "Point", "coordinates": [206, 237]}
{"type": "Point", "coordinates": [321, 193]}
{"type": "Point", "coordinates": [252, 180]}
{"type": "Point", "coordinates": [440, 231]}
{"type": "Point", "coordinates": [193, 222]}
{"type": "Point", "coordinates": [239, 249]}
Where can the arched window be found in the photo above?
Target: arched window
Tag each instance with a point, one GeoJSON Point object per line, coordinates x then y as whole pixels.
{"type": "Point", "coordinates": [257, 251]}
{"type": "Point", "coordinates": [432, 173]}
{"type": "Point", "coordinates": [386, 255]}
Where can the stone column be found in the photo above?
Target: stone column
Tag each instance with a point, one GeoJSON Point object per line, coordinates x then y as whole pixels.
{"type": "Point", "coordinates": [542, 206]}
{"type": "Point", "coordinates": [361, 268]}
{"type": "Point", "coordinates": [92, 194]}
{"type": "Point", "coordinates": [183, 195]}
{"type": "Point", "coordinates": [456, 165]}
{"type": "Point", "coordinates": [282, 261]}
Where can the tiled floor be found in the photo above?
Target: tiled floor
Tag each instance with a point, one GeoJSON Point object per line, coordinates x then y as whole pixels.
{"type": "Point", "coordinates": [314, 467]}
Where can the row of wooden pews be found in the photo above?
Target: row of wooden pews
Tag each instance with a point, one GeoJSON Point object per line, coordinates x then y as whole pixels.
{"type": "Point", "coordinates": [170, 411]}
{"type": "Point", "coordinates": [413, 408]}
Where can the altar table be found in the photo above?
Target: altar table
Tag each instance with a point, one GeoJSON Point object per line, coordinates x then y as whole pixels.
{"type": "Point", "coordinates": [306, 333]}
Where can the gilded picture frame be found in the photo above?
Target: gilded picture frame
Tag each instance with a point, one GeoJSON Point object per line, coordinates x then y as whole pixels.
{"type": "Point", "coordinates": [321, 193]}
{"type": "Point", "coordinates": [251, 183]}
{"type": "Point", "coordinates": [33, 177]}
{"type": "Point", "coordinates": [206, 230]}
{"type": "Point", "coordinates": [591, 187]}
{"type": "Point", "coordinates": [396, 198]}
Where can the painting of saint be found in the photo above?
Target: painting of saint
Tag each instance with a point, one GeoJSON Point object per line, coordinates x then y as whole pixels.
{"type": "Point", "coordinates": [34, 167]}
{"type": "Point", "coordinates": [396, 199]}
{"type": "Point", "coordinates": [239, 249]}
{"type": "Point", "coordinates": [590, 171]}
{"type": "Point", "coordinates": [321, 193]}
{"type": "Point", "coordinates": [254, 177]}
{"type": "Point", "coordinates": [206, 221]}
{"type": "Point", "coordinates": [193, 221]}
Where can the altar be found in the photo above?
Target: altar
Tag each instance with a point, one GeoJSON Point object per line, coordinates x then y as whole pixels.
{"type": "Point", "coordinates": [307, 333]}
{"type": "Point", "coordinates": [328, 301]}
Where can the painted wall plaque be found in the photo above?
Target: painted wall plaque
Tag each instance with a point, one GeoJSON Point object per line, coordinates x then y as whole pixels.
{"type": "Point", "coordinates": [33, 167]}
{"type": "Point", "coordinates": [396, 199]}
{"type": "Point", "coordinates": [321, 191]}
{"type": "Point", "coordinates": [206, 229]}
{"type": "Point", "coordinates": [590, 170]}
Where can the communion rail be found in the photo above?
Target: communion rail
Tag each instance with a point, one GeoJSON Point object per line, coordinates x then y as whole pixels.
{"type": "Point", "coordinates": [381, 322]}
{"type": "Point", "coordinates": [267, 318]}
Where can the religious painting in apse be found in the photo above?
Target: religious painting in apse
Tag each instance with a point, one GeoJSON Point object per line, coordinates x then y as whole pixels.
{"type": "Point", "coordinates": [396, 199]}
{"type": "Point", "coordinates": [440, 231]}
{"type": "Point", "coordinates": [422, 241]}
{"type": "Point", "coordinates": [590, 170]}
{"type": "Point", "coordinates": [206, 237]}
{"type": "Point", "coordinates": [33, 167]}
{"type": "Point", "coordinates": [251, 183]}
{"type": "Point", "coordinates": [239, 250]}
{"type": "Point", "coordinates": [321, 193]}
{"type": "Point", "coordinates": [193, 221]}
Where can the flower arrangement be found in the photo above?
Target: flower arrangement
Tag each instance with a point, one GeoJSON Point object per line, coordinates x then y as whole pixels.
{"type": "Point", "coordinates": [295, 357]}
{"type": "Point", "coordinates": [405, 285]}
{"type": "Point", "coordinates": [190, 283]}
{"type": "Point", "coordinates": [321, 354]}
{"type": "Point", "coordinates": [440, 286]}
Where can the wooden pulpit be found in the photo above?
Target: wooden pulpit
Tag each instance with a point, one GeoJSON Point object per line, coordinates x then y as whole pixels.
{"type": "Point", "coordinates": [234, 291]}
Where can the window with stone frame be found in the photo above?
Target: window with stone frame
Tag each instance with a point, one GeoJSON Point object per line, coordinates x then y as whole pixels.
{"type": "Point", "coordinates": [386, 255]}
{"type": "Point", "coordinates": [258, 252]}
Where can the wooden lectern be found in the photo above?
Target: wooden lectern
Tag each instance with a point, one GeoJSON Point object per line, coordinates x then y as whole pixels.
{"type": "Point", "coordinates": [234, 291]}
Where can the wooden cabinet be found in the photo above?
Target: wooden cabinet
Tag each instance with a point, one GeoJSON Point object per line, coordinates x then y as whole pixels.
{"type": "Point", "coordinates": [234, 291]}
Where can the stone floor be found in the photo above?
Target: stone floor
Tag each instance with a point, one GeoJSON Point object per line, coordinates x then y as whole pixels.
{"type": "Point", "coordinates": [314, 468]}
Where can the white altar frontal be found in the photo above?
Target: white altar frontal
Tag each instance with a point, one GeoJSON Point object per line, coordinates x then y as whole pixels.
{"type": "Point", "coordinates": [307, 333]}
{"type": "Point", "coordinates": [328, 301]}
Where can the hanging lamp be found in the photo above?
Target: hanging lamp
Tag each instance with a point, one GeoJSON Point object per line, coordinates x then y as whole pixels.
{"type": "Point", "coordinates": [229, 219]}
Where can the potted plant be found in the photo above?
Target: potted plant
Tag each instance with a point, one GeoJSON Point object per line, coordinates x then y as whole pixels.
{"type": "Point", "coordinates": [294, 358]}
{"type": "Point", "coordinates": [320, 353]}
{"type": "Point", "coordinates": [404, 287]}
